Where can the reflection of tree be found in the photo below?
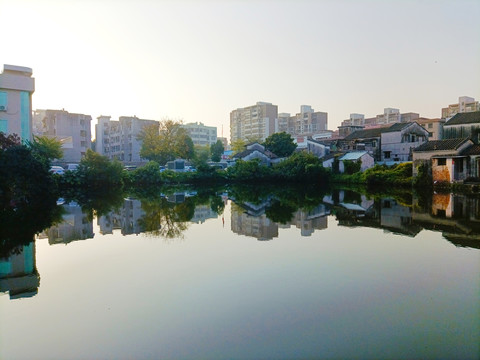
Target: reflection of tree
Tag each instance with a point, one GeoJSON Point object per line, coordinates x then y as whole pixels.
{"type": "Point", "coordinates": [166, 219]}
{"type": "Point", "coordinates": [96, 203]}
{"type": "Point", "coordinates": [217, 205]}
{"type": "Point", "coordinates": [18, 226]}
{"type": "Point", "coordinates": [280, 212]}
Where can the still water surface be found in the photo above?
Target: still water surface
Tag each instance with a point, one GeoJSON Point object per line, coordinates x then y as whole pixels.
{"type": "Point", "coordinates": [346, 278]}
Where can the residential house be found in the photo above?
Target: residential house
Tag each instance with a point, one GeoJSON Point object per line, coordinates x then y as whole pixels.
{"type": "Point", "coordinates": [399, 140]}
{"type": "Point", "coordinates": [433, 126]}
{"type": "Point", "coordinates": [257, 151]}
{"type": "Point", "coordinates": [366, 160]}
{"type": "Point", "coordinates": [447, 160]}
{"type": "Point", "coordinates": [463, 125]}
{"type": "Point", "coordinates": [364, 140]}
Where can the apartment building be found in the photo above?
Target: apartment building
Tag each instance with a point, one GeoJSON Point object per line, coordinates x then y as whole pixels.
{"type": "Point", "coordinates": [201, 134]}
{"type": "Point", "coordinates": [16, 88]}
{"type": "Point", "coordinates": [255, 122]}
{"type": "Point", "coordinates": [118, 139]}
{"type": "Point", "coordinates": [72, 130]}
{"type": "Point", "coordinates": [306, 122]}
{"type": "Point", "coordinates": [465, 104]}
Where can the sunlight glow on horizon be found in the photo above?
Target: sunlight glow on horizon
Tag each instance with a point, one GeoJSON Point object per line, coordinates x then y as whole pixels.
{"type": "Point", "coordinates": [198, 61]}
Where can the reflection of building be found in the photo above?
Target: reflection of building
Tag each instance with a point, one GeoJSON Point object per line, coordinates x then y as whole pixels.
{"type": "Point", "coordinates": [125, 219]}
{"type": "Point", "coordinates": [18, 273]}
{"type": "Point", "coordinates": [309, 221]}
{"type": "Point", "coordinates": [251, 220]}
{"type": "Point", "coordinates": [456, 216]}
{"type": "Point", "coordinates": [202, 213]}
{"type": "Point", "coordinates": [16, 89]}
{"type": "Point", "coordinates": [75, 226]}
{"type": "Point", "coordinates": [72, 130]}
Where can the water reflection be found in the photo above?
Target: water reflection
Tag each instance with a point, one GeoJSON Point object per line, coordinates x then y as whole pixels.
{"type": "Point", "coordinates": [255, 212]}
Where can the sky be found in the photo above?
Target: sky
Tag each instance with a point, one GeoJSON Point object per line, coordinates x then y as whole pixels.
{"type": "Point", "coordinates": [196, 61]}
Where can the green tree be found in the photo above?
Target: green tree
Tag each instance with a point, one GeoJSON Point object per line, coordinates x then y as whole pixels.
{"type": "Point", "coordinates": [166, 141]}
{"type": "Point", "coordinates": [238, 145]}
{"type": "Point", "coordinates": [281, 144]}
{"type": "Point", "coordinates": [7, 141]}
{"type": "Point", "coordinates": [96, 172]}
{"type": "Point", "coordinates": [46, 149]}
{"type": "Point", "coordinates": [216, 151]}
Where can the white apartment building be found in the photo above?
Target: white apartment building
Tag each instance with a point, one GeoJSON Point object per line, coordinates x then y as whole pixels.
{"type": "Point", "coordinates": [16, 88]}
{"type": "Point", "coordinates": [306, 122]}
{"type": "Point", "coordinates": [354, 120]}
{"type": "Point", "coordinates": [465, 104]}
{"type": "Point", "coordinates": [118, 139]}
{"type": "Point", "coordinates": [72, 130]}
{"type": "Point", "coordinates": [201, 134]}
{"type": "Point", "coordinates": [253, 122]}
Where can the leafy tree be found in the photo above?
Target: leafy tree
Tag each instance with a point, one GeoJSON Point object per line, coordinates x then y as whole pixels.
{"type": "Point", "coordinates": [352, 167]}
{"type": "Point", "coordinates": [96, 172]}
{"type": "Point", "coordinates": [238, 145]}
{"type": "Point", "coordinates": [281, 144]}
{"type": "Point", "coordinates": [216, 151]}
{"type": "Point", "coordinates": [165, 142]}
{"type": "Point", "coordinates": [46, 149]}
{"type": "Point", "coordinates": [301, 166]}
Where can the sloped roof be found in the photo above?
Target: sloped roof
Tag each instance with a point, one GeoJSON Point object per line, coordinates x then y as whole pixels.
{"type": "Point", "coordinates": [472, 150]}
{"type": "Point", "coordinates": [365, 134]}
{"type": "Point", "coordinates": [398, 127]}
{"type": "Point", "coordinates": [354, 155]}
{"type": "Point", "coordinates": [447, 144]}
{"type": "Point", "coordinates": [245, 153]}
{"type": "Point", "coordinates": [464, 118]}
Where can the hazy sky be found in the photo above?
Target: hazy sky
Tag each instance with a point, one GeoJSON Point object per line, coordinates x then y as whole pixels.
{"type": "Point", "coordinates": [199, 60]}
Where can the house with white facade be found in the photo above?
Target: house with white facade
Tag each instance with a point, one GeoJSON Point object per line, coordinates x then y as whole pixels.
{"type": "Point", "coordinates": [366, 160]}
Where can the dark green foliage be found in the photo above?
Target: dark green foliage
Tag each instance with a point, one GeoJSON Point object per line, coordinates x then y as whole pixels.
{"type": "Point", "coordinates": [97, 172]}
{"type": "Point", "coordinates": [148, 174]}
{"type": "Point", "coordinates": [351, 167]}
{"type": "Point", "coordinates": [216, 151]}
{"type": "Point", "coordinates": [7, 141]}
{"type": "Point", "coordinates": [423, 178]}
{"type": "Point", "coordinates": [248, 171]}
{"type": "Point", "coordinates": [301, 166]}
{"type": "Point", "coordinates": [281, 144]}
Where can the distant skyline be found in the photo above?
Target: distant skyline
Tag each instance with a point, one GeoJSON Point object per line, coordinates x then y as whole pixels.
{"type": "Point", "coordinates": [197, 61]}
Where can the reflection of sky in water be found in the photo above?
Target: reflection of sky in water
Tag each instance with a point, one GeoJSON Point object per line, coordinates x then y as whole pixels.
{"type": "Point", "coordinates": [340, 293]}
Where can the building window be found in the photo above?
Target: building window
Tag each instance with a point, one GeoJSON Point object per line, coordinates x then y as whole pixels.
{"type": "Point", "coordinates": [386, 154]}
{"type": "Point", "coordinates": [430, 126]}
{"type": "Point", "coordinates": [441, 162]}
{"type": "Point", "coordinates": [459, 165]}
{"type": "Point", "coordinates": [3, 101]}
{"type": "Point", "coordinates": [4, 126]}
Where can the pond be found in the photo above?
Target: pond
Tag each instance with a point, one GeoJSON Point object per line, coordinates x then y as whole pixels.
{"type": "Point", "coordinates": [247, 273]}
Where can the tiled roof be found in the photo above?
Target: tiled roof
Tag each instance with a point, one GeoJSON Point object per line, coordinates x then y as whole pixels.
{"type": "Point", "coordinates": [464, 118]}
{"type": "Point", "coordinates": [397, 127]}
{"type": "Point", "coordinates": [448, 144]}
{"type": "Point", "coordinates": [472, 150]}
{"type": "Point", "coordinates": [365, 134]}
{"type": "Point", "coordinates": [245, 153]}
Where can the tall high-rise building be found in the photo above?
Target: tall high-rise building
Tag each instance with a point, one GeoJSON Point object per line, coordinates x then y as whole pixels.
{"type": "Point", "coordinates": [201, 134]}
{"type": "Point", "coordinates": [16, 88]}
{"type": "Point", "coordinates": [306, 122]}
{"type": "Point", "coordinates": [255, 122]}
{"type": "Point", "coordinates": [118, 139]}
{"type": "Point", "coordinates": [72, 130]}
